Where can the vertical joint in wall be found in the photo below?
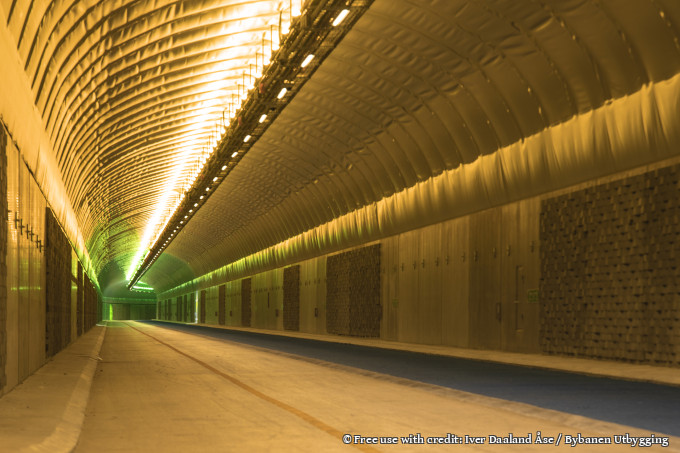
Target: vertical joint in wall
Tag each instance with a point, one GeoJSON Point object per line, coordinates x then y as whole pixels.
{"type": "Point", "coordinates": [3, 256]}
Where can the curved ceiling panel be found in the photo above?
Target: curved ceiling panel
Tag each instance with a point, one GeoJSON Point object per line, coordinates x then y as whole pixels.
{"type": "Point", "coordinates": [417, 88]}
{"type": "Point", "coordinates": [131, 94]}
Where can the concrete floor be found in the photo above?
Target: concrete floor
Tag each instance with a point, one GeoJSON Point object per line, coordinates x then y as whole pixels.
{"type": "Point", "coordinates": [158, 389]}
{"type": "Point", "coordinates": [646, 405]}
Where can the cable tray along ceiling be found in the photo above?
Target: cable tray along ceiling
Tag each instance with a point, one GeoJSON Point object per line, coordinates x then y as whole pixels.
{"type": "Point", "coordinates": [416, 89]}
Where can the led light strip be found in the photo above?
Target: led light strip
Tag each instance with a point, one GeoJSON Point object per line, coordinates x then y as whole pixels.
{"type": "Point", "coordinates": [311, 38]}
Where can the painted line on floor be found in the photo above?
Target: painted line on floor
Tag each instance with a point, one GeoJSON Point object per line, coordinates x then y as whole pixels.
{"type": "Point", "coordinates": [280, 404]}
{"type": "Point", "coordinates": [524, 409]}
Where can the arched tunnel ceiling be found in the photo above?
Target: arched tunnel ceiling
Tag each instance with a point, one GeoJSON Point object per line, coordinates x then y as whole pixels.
{"type": "Point", "coordinates": [130, 93]}
{"type": "Point", "coordinates": [415, 88]}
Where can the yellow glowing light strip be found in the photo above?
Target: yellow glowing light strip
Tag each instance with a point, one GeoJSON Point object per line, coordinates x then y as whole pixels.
{"type": "Point", "coordinates": [158, 221]}
{"type": "Point", "coordinates": [232, 112]}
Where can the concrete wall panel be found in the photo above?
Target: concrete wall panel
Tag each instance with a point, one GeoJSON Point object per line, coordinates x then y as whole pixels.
{"type": "Point", "coordinates": [430, 285]}
{"type": "Point", "coordinates": [485, 279]}
{"type": "Point", "coordinates": [3, 258]}
{"type": "Point", "coordinates": [12, 363]}
{"type": "Point", "coordinates": [222, 305]}
{"type": "Point", "coordinates": [408, 315]}
{"type": "Point", "coordinates": [455, 283]}
{"type": "Point", "coordinates": [390, 288]}
{"type": "Point", "coordinates": [474, 281]}
{"type": "Point", "coordinates": [246, 302]}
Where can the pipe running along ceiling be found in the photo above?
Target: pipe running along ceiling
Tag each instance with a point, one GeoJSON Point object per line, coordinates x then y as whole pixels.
{"type": "Point", "coordinates": [130, 93]}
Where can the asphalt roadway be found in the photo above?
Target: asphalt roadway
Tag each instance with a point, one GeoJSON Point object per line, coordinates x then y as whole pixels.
{"type": "Point", "coordinates": [642, 405]}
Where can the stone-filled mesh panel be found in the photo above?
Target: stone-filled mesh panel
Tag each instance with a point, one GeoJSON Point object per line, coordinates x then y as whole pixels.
{"type": "Point", "coordinates": [3, 257]}
{"type": "Point", "coordinates": [353, 292]}
{"type": "Point", "coordinates": [610, 270]}
{"type": "Point", "coordinates": [90, 303]}
{"type": "Point", "coordinates": [80, 306]}
{"type": "Point", "coordinates": [245, 302]}
{"type": "Point", "coordinates": [291, 298]}
{"type": "Point", "coordinates": [57, 286]}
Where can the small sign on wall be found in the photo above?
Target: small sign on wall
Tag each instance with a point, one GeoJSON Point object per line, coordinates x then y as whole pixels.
{"type": "Point", "coordinates": [532, 296]}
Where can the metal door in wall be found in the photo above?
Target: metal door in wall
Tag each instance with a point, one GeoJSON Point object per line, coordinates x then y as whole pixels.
{"type": "Point", "coordinates": [80, 309]}
{"type": "Point", "coordinates": [185, 309]}
{"type": "Point", "coordinates": [192, 308]}
{"type": "Point", "coordinates": [221, 308]}
{"type": "Point", "coordinates": [202, 302]}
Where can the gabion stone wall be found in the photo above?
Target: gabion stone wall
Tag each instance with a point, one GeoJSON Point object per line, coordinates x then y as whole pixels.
{"type": "Point", "coordinates": [57, 286]}
{"type": "Point", "coordinates": [80, 306]}
{"type": "Point", "coordinates": [91, 301]}
{"type": "Point", "coordinates": [291, 298]}
{"type": "Point", "coordinates": [610, 270]}
{"type": "Point", "coordinates": [353, 292]}
{"type": "Point", "coordinates": [3, 257]}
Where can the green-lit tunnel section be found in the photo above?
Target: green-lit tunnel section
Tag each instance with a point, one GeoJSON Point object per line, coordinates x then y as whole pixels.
{"type": "Point", "coordinates": [494, 175]}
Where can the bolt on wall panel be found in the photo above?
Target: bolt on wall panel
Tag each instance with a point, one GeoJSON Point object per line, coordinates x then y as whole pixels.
{"type": "Point", "coordinates": [456, 283]}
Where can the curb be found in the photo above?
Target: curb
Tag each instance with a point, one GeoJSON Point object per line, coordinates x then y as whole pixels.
{"type": "Point", "coordinates": [65, 436]}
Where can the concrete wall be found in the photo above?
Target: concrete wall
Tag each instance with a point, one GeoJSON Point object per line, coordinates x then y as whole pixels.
{"type": "Point", "coordinates": [28, 331]}
{"type": "Point", "coordinates": [129, 310]}
{"type": "Point", "coordinates": [3, 260]}
{"type": "Point", "coordinates": [26, 310]}
{"type": "Point", "coordinates": [503, 278]}
{"type": "Point", "coordinates": [463, 283]}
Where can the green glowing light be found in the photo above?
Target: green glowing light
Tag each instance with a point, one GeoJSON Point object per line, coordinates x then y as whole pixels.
{"type": "Point", "coordinates": [139, 288]}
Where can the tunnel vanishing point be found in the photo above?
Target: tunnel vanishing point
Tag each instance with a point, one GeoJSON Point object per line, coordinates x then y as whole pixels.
{"type": "Point", "coordinates": [486, 178]}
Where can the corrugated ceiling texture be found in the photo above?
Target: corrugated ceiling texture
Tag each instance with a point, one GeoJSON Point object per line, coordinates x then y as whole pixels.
{"type": "Point", "coordinates": [417, 88]}
{"type": "Point", "coordinates": [130, 92]}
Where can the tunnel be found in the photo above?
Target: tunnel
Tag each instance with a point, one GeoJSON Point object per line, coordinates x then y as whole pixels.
{"type": "Point", "coordinates": [339, 225]}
